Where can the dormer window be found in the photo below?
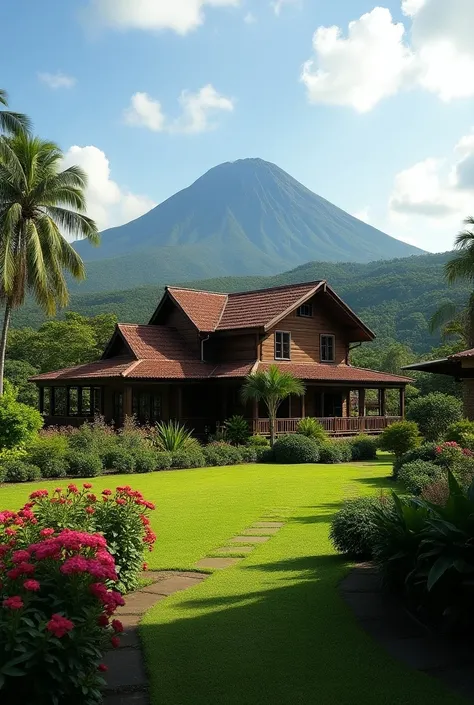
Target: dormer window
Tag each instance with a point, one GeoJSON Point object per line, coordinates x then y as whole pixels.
{"type": "Point", "coordinates": [305, 311]}
{"type": "Point", "coordinates": [328, 348]}
{"type": "Point", "coordinates": [282, 345]}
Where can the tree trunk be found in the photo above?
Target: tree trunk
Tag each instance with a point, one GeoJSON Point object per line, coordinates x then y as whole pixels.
{"type": "Point", "coordinates": [3, 343]}
{"type": "Point", "coordinates": [272, 428]}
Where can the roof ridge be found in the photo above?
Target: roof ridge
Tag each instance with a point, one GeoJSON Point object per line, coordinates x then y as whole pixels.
{"type": "Point", "coordinates": [222, 312]}
{"type": "Point", "coordinates": [197, 291]}
{"type": "Point", "coordinates": [311, 283]}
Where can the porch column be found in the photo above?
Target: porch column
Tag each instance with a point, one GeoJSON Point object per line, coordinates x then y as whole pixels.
{"type": "Point", "coordinates": [361, 394]}
{"type": "Point", "coordinates": [348, 403]}
{"type": "Point", "coordinates": [41, 399]}
{"type": "Point", "coordinates": [382, 405]}
{"type": "Point", "coordinates": [402, 402]}
{"type": "Point", "coordinates": [127, 401]}
{"type": "Point", "coordinates": [254, 415]}
{"type": "Point", "coordinates": [303, 405]}
{"type": "Point", "coordinates": [68, 401]}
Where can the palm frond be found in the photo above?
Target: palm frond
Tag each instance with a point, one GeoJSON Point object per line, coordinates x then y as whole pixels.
{"type": "Point", "coordinates": [14, 123]}
{"type": "Point", "coordinates": [445, 313]}
{"type": "Point", "coordinates": [3, 97]}
{"type": "Point", "coordinates": [77, 225]}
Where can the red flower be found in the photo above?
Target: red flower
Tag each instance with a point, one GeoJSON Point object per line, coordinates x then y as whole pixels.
{"type": "Point", "coordinates": [22, 568]}
{"type": "Point", "coordinates": [46, 532]}
{"type": "Point", "coordinates": [145, 566]}
{"type": "Point", "coordinates": [59, 625]}
{"type": "Point", "coordinates": [10, 532]}
{"type": "Point", "coordinates": [31, 585]}
{"type": "Point", "coordinates": [120, 501]}
{"type": "Point", "coordinates": [102, 667]}
{"type": "Point", "coordinates": [73, 489]}
{"type": "Point", "coordinates": [87, 485]}
{"type": "Point", "coordinates": [103, 620]}
{"type": "Point", "coordinates": [39, 493]}
{"type": "Point", "coordinates": [117, 626]}
{"type": "Point", "coordinates": [90, 510]}
{"type": "Point", "coordinates": [115, 641]}
{"type": "Point", "coordinates": [92, 498]}
{"type": "Point", "coordinates": [58, 490]}
{"type": "Point", "coordinates": [13, 603]}
{"type": "Point", "coordinates": [75, 564]}
{"type": "Point", "coordinates": [106, 492]}
{"type": "Point", "coordinates": [20, 556]}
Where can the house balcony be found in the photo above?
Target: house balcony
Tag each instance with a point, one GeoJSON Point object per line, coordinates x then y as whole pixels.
{"type": "Point", "coordinates": [333, 425]}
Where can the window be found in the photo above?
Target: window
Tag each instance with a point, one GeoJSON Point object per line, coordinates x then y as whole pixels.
{"type": "Point", "coordinates": [282, 346]}
{"type": "Point", "coordinates": [327, 348]}
{"type": "Point", "coordinates": [305, 311]}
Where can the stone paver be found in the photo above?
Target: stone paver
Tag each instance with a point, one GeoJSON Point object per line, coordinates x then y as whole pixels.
{"type": "Point", "coordinates": [235, 549]}
{"type": "Point", "coordinates": [217, 563]}
{"type": "Point", "coordinates": [172, 584]}
{"type": "Point", "coordinates": [125, 669]}
{"type": "Point", "coordinates": [268, 524]}
{"type": "Point", "coordinates": [127, 698]}
{"type": "Point", "coordinates": [137, 603]}
{"type": "Point", "coordinates": [249, 539]}
{"type": "Point", "coordinates": [261, 530]}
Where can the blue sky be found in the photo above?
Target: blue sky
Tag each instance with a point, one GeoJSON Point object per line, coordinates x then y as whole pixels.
{"type": "Point", "coordinates": [379, 122]}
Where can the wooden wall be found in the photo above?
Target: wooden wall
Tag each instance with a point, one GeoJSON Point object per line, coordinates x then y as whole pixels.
{"type": "Point", "coordinates": [305, 337]}
{"type": "Point", "coordinates": [231, 348]}
{"type": "Point", "coordinates": [177, 319]}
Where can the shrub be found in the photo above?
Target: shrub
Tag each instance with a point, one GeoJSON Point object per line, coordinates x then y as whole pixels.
{"type": "Point", "coordinates": [364, 448]}
{"type": "Point", "coordinates": [312, 429]}
{"type": "Point", "coordinates": [259, 441]}
{"type": "Point", "coordinates": [400, 437]}
{"type": "Point", "coordinates": [264, 455]}
{"type": "Point", "coordinates": [437, 492]}
{"type": "Point", "coordinates": [145, 459]}
{"type": "Point", "coordinates": [459, 430]}
{"type": "Point", "coordinates": [221, 454]}
{"type": "Point", "coordinates": [345, 450]}
{"type": "Point", "coordinates": [427, 451]}
{"type": "Point", "coordinates": [54, 626]}
{"type": "Point", "coordinates": [334, 452]}
{"type": "Point", "coordinates": [434, 414]}
{"type": "Point", "coordinates": [133, 437]}
{"type": "Point", "coordinates": [296, 449]}
{"type": "Point", "coordinates": [121, 516]}
{"type": "Point", "coordinates": [96, 437]}
{"type": "Point", "coordinates": [172, 436]}
{"type": "Point", "coordinates": [354, 527]}
{"type": "Point", "coordinates": [19, 423]}
{"type": "Point", "coordinates": [415, 476]}
{"type": "Point", "coordinates": [84, 464]}
{"type": "Point", "coordinates": [49, 453]}
{"type": "Point", "coordinates": [248, 454]}
{"type": "Point", "coordinates": [19, 471]}
{"type": "Point", "coordinates": [236, 430]}
{"type": "Point", "coordinates": [190, 458]}
{"type": "Point", "coordinates": [120, 460]}
{"type": "Point", "coordinates": [163, 460]}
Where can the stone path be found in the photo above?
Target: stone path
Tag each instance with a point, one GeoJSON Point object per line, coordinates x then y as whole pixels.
{"type": "Point", "coordinates": [384, 617]}
{"type": "Point", "coordinates": [126, 675]}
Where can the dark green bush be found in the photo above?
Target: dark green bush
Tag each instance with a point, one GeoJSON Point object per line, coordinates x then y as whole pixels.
{"type": "Point", "coordinates": [264, 455]}
{"type": "Point", "coordinates": [190, 458]}
{"type": "Point", "coordinates": [145, 459]}
{"type": "Point", "coordinates": [260, 441]}
{"type": "Point", "coordinates": [296, 449]}
{"type": "Point", "coordinates": [345, 450]}
{"type": "Point", "coordinates": [331, 452]}
{"type": "Point", "coordinates": [427, 451]}
{"type": "Point", "coordinates": [459, 430]}
{"type": "Point", "coordinates": [222, 454]}
{"type": "Point", "coordinates": [364, 448]}
{"type": "Point", "coordinates": [400, 437]}
{"type": "Point", "coordinates": [84, 464]}
{"type": "Point", "coordinates": [434, 414]}
{"type": "Point", "coordinates": [49, 452]}
{"type": "Point", "coordinates": [236, 430]}
{"type": "Point", "coordinates": [19, 471]}
{"type": "Point", "coordinates": [120, 459]}
{"type": "Point", "coordinates": [19, 423]}
{"type": "Point", "coordinates": [163, 460]}
{"type": "Point", "coordinates": [415, 476]}
{"type": "Point", "coordinates": [312, 428]}
{"type": "Point", "coordinates": [248, 454]}
{"type": "Point", "coordinates": [354, 527]}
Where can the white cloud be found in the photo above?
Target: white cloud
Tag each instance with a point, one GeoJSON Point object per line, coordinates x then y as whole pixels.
{"type": "Point", "coordinates": [146, 112]}
{"type": "Point", "coordinates": [197, 110]}
{"type": "Point", "coordinates": [250, 18]}
{"type": "Point", "coordinates": [378, 58]}
{"type": "Point", "coordinates": [57, 80]}
{"type": "Point", "coordinates": [363, 214]}
{"type": "Point", "coordinates": [181, 16]}
{"type": "Point", "coordinates": [430, 199]}
{"type": "Point", "coordinates": [108, 203]}
{"type": "Point", "coordinates": [278, 5]}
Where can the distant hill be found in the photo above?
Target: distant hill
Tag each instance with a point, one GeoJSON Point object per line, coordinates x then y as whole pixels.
{"type": "Point", "coordinates": [395, 298]}
{"type": "Point", "coordinates": [247, 217]}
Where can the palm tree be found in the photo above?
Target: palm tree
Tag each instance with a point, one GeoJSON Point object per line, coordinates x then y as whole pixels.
{"type": "Point", "coordinates": [12, 122]}
{"type": "Point", "coordinates": [271, 387]}
{"type": "Point", "coordinates": [37, 202]}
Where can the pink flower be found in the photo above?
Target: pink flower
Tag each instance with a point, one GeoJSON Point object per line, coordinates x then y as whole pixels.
{"type": "Point", "coordinates": [102, 667]}
{"type": "Point", "coordinates": [20, 556]}
{"type": "Point", "coordinates": [22, 568]}
{"type": "Point", "coordinates": [117, 626]}
{"type": "Point", "coordinates": [103, 620]}
{"type": "Point", "coordinates": [59, 625]}
{"type": "Point", "coordinates": [75, 564]}
{"type": "Point", "coordinates": [87, 485]}
{"type": "Point", "coordinates": [13, 603]}
{"type": "Point", "coordinates": [31, 585]}
{"type": "Point", "coordinates": [38, 494]}
{"type": "Point", "coordinates": [115, 641]}
{"type": "Point", "coordinates": [46, 532]}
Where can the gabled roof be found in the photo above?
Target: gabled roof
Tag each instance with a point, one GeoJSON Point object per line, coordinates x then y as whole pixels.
{"type": "Point", "coordinates": [262, 308]}
{"type": "Point", "coordinates": [151, 342]}
{"type": "Point", "coordinates": [463, 353]}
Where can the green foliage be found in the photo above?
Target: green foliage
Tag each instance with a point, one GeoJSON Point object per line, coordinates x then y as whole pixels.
{"type": "Point", "coordinates": [172, 437]}
{"type": "Point", "coordinates": [457, 431]}
{"type": "Point", "coordinates": [418, 474]}
{"type": "Point", "coordinates": [219, 453]}
{"type": "Point", "coordinates": [426, 451]}
{"type": "Point", "coordinates": [265, 455]}
{"type": "Point", "coordinates": [18, 423]}
{"type": "Point", "coordinates": [236, 430]}
{"type": "Point", "coordinates": [249, 454]}
{"type": "Point", "coordinates": [120, 460]}
{"type": "Point", "coordinates": [330, 452]}
{"type": "Point", "coordinates": [191, 457]}
{"type": "Point", "coordinates": [400, 437]}
{"type": "Point", "coordinates": [84, 464]}
{"type": "Point", "coordinates": [434, 414]}
{"type": "Point", "coordinates": [19, 471]}
{"type": "Point", "coordinates": [364, 448]}
{"type": "Point", "coordinates": [257, 440]}
{"type": "Point", "coordinates": [145, 459]}
{"type": "Point", "coordinates": [17, 372]}
{"type": "Point", "coordinates": [311, 428]}
{"type": "Point", "coordinates": [163, 460]}
{"type": "Point", "coordinates": [49, 452]}
{"type": "Point", "coordinates": [354, 527]}
{"type": "Point", "coordinates": [296, 449]}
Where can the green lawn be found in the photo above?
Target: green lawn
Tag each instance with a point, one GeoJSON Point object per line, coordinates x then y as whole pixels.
{"type": "Point", "coordinates": [271, 630]}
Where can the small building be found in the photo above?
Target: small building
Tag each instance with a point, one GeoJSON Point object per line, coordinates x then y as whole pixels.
{"type": "Point", "coordinates": [190, 361]}
{"type": "Point", "coordinates": [461, 367]}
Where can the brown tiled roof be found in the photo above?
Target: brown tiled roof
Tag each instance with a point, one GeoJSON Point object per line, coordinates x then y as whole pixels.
{"type": "Point", "coordinates": [155, 342]}
{"type": "Point", "coordinates": [334, 373]}
{"type": "Point", "coordinates": [115, 367]}
{"type": "Point", "coordinates": [204, 308]}
{"type": "Point", "coordinates": [463, 353]}
{"type": "Point", "coordinates": [170, 369]}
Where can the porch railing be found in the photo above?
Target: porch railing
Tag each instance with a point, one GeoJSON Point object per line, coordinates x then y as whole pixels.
{"type": "Point", "coordinates": [334, 425]}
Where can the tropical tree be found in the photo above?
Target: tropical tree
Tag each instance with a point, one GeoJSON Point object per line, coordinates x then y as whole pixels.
{"type": "Point", "coordinates": [39, 205]}
{"type": "Point", "coordinates": [271, 387]}
{"type": "Point", "coordinates": [10, 122]}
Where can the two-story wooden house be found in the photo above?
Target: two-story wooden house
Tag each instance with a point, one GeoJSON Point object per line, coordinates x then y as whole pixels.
{"type": "Point", "coordinates": [190, 361]}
